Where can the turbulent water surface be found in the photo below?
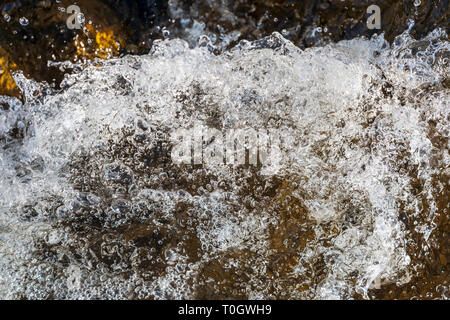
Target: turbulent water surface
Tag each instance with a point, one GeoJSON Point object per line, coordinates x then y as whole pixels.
{"type": "Point", "coordinates": [93, 205]}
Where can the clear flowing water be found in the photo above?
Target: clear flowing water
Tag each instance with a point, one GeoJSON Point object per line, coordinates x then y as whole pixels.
{"type": "Point", "coordinates": [93, 206]}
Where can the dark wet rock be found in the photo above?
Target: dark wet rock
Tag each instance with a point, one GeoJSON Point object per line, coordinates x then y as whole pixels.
{"type": "Point", "coordinates": [47, 37]}
{"type": "Point", "coordinates": [299, 21]}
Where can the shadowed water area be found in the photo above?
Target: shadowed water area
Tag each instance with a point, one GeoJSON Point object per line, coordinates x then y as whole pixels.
{"type": "Point", "coordinates": [92, 204]}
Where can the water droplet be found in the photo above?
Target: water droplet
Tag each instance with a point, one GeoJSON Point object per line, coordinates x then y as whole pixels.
{"type": "Point", "coordinates": [81, 19]}
{"type": "Point", "coordinates": [24, 21]}
{"type": "Point", "coordinates": [165, 32]}
{"type": "Point", "coordinates": [417, 3]}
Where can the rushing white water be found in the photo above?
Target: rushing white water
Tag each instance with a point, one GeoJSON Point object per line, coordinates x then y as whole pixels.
{"type": "Point", "coordinates": [91, 206]}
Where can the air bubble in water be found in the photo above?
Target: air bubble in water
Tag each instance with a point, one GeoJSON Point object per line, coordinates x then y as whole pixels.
{"type": "Point", "coordinates": [24, 21]}
{"type": "Point", "coordinates": [165, 32]}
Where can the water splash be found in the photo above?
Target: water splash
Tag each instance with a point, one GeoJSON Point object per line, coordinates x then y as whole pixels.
{"type": "Point", "coordinates": [91, 205]}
